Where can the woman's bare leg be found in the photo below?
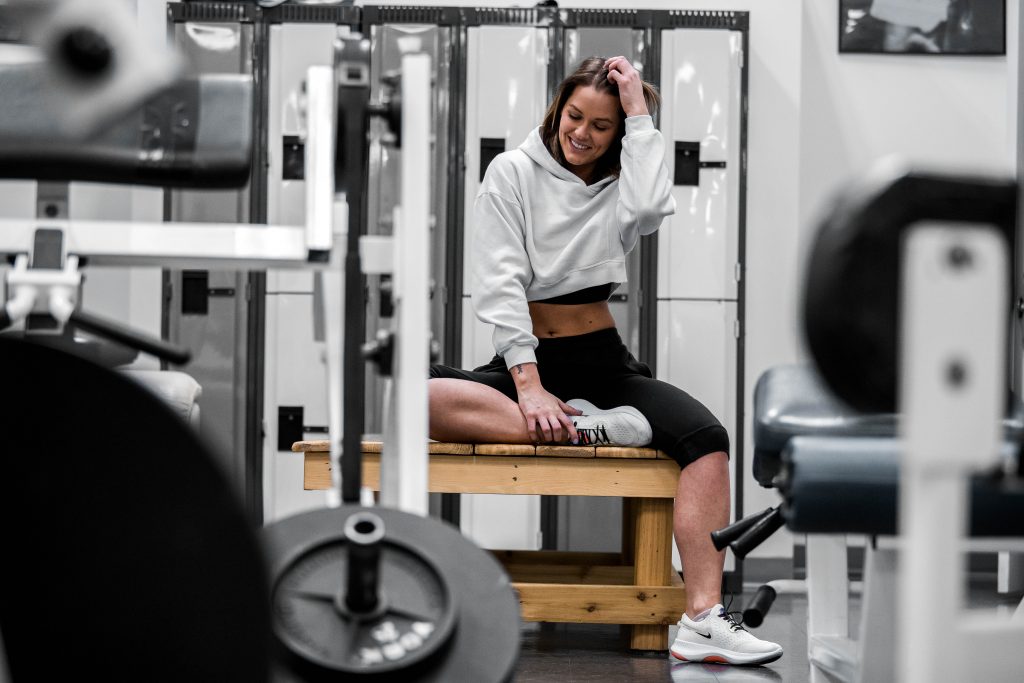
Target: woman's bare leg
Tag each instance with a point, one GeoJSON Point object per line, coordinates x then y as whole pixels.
{"type": "Point", "coordinates": [702, 506]}
{"type": "Point", "coordinates": [465, 411]}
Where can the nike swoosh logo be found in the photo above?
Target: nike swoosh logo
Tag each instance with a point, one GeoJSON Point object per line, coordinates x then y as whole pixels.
{"type": "Point", "coordinates": [706, 635]}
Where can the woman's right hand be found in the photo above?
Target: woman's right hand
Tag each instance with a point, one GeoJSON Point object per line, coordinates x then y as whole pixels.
{"type": "Point", "coordinates": [547, 417]}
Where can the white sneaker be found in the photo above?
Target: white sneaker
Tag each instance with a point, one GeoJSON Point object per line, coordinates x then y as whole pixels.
{"type": "Point", "coordinates": [717, 638]}
{"type": "Point", "coordinates": [622, 426]}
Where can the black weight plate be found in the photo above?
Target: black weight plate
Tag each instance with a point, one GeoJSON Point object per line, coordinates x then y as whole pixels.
{"type": "Point", "coordinates": [484, 644]}
{"type": "Point", "coordinates": [415, 618]}
{"type": "Point", "coordinates": [126, 555]}
{"type": "Point", "coordinates": [851, 289]}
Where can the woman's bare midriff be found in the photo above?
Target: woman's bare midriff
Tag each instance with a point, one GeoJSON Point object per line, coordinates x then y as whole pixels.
{"type": "Point", "coordinates": [568, 320]}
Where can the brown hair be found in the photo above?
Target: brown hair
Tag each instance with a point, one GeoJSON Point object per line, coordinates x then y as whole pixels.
{"type": "Point", "coordinates": [591, 72]}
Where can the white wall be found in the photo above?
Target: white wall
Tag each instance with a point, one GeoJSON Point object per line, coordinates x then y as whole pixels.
{"type": "Point", "coordinates": [940, 111]}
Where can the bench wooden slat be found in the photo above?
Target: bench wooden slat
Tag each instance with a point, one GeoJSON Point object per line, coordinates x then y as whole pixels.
{"type": "Point", "coordinates": [566, 451]}
{"type": "Point", "coordinates": [523, 476]}
{"type": "Point", "coordinates": [448, 448]}
{"type": "Point", "coordinates": [601, 604]}
{"type": "Point", "coordinates": [624, 452]}
{"type": "Point", "coordinates": [504, 449]}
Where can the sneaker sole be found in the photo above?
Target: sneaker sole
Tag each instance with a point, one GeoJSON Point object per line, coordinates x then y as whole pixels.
{"type": "Point", "coordinates": [716, 656]}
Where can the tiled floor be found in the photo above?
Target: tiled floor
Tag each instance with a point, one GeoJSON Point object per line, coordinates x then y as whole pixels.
{"type": "Point", "coordinates": [571, 653]}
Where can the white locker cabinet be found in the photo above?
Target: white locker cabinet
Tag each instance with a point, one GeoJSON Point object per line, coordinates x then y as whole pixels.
{"type": "Point", "coordinates": [701, 82]}
{"type": "Point", "coordinates": [294, 374]}
{"type": "Point", "coordinates": [699, 247]}
{"type": "Point", "coordinates": [506, 96]}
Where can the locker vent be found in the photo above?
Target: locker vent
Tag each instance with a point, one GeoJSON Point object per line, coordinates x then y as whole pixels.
{"type": "Point", "coordinates": [211, 11]}
{"type": "Point", "coordinates": [312, 14]}
{"type": "Point", "coordinates": [706, 19]}
{"type": "Point", "coordinates": [388, 14]}
{"type": "Point", "coordinates": [505, 15]}
{"type": "Point", "coordinates": [602, 17]}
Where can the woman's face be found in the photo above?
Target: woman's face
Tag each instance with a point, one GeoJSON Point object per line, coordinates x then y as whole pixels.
{"type": "Point", "coordinates": [587, 128]}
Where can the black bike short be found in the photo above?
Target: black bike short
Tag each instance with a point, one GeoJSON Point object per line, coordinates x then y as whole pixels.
{"type": "Point", "coordinates": [599, 368]}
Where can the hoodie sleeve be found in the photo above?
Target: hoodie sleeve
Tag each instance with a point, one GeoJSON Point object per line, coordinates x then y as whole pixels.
{"type": "Point", "coordinates": [645, 191]}
{"type": "Point", "coordinates": [501, 274]}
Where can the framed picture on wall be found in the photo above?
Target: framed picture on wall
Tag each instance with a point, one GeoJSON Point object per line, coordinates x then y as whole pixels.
{"type": "Point", "coordinates": [956, 27]}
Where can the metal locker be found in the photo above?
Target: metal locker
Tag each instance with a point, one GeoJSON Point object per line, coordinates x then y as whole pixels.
{"type": "Point", "coordinates": [221, 339]}
{"type": "Point", "coordinates": [506, 95]}
{"type": "Point", "coordinates": [699, 346]}
{"type": "Point", "coordinates": [294, 372]}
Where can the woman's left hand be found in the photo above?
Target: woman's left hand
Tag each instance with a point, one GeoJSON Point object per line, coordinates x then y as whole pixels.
{"type": "Point", "coordinates": [631, 91]}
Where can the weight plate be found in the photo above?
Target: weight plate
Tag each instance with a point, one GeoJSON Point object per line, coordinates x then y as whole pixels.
{"type": "Point", "coordinates": [305, 552]}
{"type": "Point", "coordinates": [414, 619]}
{"type": "Point", "coordinates": [128, 556]}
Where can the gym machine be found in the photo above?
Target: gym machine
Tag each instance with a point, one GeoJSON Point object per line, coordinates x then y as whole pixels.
{"type": "Point", "coordinates": [150, 569]}
{"type": "Point", "coordinates": [904, 431]}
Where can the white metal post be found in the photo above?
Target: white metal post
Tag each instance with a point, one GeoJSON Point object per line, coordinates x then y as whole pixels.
{"type": "Point", "coordinates": [404, 457]}
{"type": "Point", "coordinates": [319, 148]}
{"type": "Point", "coordinates": [952, 371]}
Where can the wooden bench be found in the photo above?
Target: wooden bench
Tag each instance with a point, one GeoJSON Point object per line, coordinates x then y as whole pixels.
{"type": "Point", "coordinates": [636, 586]}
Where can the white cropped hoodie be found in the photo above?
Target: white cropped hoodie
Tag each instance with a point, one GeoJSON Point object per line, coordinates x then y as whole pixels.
{"type": "Point", "coordinates": [540, 231]}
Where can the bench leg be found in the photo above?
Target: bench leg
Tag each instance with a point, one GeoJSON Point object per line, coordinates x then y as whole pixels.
{"type": "Point", "coordinates": [652, 533]}
{"type": "Point", "coordinates": [628, 530]}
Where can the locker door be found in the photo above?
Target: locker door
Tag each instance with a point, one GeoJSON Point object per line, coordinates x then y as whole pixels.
{"type": "Point", "coordinates": [506, 95]}
{"type": "Point", "coordinates": [701, 80]}
{"type": "Point", "coordinates": [698, 247]}
{"type": "Point", "coordinates": [295, 375]}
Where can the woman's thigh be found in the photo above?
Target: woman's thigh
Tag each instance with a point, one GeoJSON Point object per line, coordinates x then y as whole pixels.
{"type": "Point", "coordinates": [502, 381]}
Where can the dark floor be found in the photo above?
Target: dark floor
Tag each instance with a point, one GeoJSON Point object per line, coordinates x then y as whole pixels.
{"type": "Point", "coordinates": [569, 653]}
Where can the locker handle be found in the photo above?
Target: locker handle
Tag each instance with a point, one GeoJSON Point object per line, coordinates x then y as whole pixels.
{"type": "Point", "coordinates": [688, 163]}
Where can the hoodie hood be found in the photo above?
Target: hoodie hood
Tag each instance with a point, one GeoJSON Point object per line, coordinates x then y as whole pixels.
{"type": "Point", "coordinates": [535, 148]}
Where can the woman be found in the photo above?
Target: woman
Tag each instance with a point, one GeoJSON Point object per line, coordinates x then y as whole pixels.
{"type": "Point", "coordinates": [553, 222]}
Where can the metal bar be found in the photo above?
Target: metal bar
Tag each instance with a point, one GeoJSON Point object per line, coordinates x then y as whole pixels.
{"type": "Point", "coordinates": [404, 462]}
{"type": "Point", "coordinates": [171, 245]}
{"type": "Point", "coordinates": [951, 360]}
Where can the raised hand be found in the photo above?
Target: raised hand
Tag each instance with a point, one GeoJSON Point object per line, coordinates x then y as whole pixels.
{"type": "Point", "coordinates": [631, 91]}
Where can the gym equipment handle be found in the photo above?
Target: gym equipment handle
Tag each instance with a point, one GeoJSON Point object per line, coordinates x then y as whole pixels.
{"type": "Point", "coordinates": [757, 533]}
{"type": "Point", "coordinates": [723, 537]}
{"type": "Point", "coordinates": [129, 337]}
{"type": "Point", "coordinates": [754, 613]}
{"type": "Point", "coordinates": [364, 532]}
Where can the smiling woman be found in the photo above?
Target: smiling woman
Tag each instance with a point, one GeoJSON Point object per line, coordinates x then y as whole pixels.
{"type": "Point", "coordinates": [552, 224]}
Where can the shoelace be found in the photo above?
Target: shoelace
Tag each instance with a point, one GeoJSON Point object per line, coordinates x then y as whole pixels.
{"type": "Point", "coordinates": [734, 626]}
{"type": "Point", "coordinates": [590, 436]}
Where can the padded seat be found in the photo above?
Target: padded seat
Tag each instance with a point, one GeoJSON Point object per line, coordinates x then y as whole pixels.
{"type": "Point", "coordinates": [850, 486]}
{"type": "Point", "coordinates": [792, 400]}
